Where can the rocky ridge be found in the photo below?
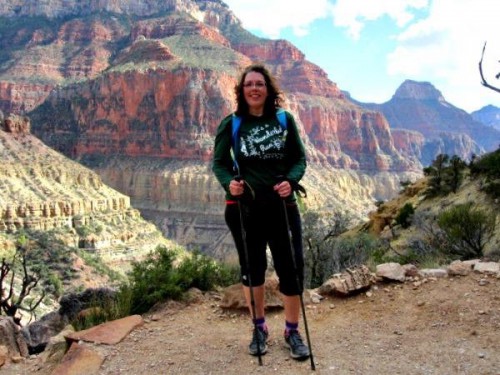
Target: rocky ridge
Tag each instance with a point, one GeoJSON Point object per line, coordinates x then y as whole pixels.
{"type": "Point", "coordinates": [489, 115]}
{"type": "Point", "coordinates": [42, 190]}
{"type": "Point", "coordinates": [446, 129]}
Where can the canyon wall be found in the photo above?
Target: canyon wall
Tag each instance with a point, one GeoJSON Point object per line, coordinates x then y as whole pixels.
{"type": "Point", "coordinates": [41, 190]}
{"type": "Point", "coordinates": [138, 100]}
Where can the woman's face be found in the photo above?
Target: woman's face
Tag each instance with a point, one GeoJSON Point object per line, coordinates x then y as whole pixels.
{"type": "Point", "coordinates": [255, 92]}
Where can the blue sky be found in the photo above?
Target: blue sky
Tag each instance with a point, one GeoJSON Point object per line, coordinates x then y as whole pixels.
{"type": "Point", "coordinates": [369, 47]}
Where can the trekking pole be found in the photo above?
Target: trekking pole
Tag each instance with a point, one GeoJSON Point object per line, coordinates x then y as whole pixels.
{"type": "Point", "coordinates": [250, 285]}
{"type": "Point", "coordinates": [294, 262]}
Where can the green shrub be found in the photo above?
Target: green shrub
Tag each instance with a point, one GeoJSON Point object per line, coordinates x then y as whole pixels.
{"type": "Point", "coordinates": [340, 254]}
{"type": "Point", "coordinates": [445, 175]}
{"type": "Point", "coordinates": [492, 188]}
{"type": "Point", "coordinates": [204, 273]}
{"type": "Point", "coordinates": [423, 254]}
{"type": "Point", "coordinates": [85, 230]}
{"type": "Point", "coordinates": [488, 164]}
{"type": "Point", "coordinates": [353, 251]}
{"type": "Point", "coordinates": [319, 234]}
{"type": "Point", "coordinates": [56, 284]}
{"type": "Point", "coordinates": [404, 215]}
{"type": "Point", "coordinates": [105, 309]}
{"type": "Point", "coordinates": [154, 280]}
{"type": "Point", "coordinates": [157, 278]}
{"type": "Point", "coordinates": [467, 229]}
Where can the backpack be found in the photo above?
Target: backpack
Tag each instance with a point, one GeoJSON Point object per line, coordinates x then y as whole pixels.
{"type": "Point", "coordinates": [235, 128]}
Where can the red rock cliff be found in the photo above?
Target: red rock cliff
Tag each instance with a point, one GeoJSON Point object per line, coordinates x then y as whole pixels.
{"type": "Point", "coordinates": [151, 90]}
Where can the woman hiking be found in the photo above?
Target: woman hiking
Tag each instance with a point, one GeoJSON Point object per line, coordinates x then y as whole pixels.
{"type": "Point", "coordinates": [259, 160]}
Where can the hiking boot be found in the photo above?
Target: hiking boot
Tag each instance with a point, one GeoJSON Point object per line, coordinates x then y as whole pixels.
{"type": "Point", "coordinates": [259, 340]}
{"type": "Point", "coordinates": [298, 350]}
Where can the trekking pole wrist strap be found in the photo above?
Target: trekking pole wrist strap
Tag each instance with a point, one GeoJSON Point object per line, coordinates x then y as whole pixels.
{"type": "Point", "coordinates": [301, 191]}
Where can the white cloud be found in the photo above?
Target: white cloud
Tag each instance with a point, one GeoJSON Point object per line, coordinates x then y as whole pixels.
{"type": "Point", "coordinates": [438, 41]}
{"type": "Point", "coordinates": [446, 48]}
{"type": "Point", "coordinates": [353, 14]}
{"type": "Point", "coordinates": [270, 17]}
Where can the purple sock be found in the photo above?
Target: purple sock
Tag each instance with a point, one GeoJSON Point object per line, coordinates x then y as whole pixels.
{"type": "Point", "coordinates": [261, 323]}
{"type": "Point", "coordinates": [290, 327]}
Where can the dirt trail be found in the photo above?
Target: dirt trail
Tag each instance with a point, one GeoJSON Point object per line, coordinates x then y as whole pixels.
{"type": "Point", "coordinates": [447, 326]}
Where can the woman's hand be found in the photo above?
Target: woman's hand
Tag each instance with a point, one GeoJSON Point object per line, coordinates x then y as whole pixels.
{"type": "Point", "coordinates": [284, 189]}
{"type": "Point", "coordinates": [236, 188]}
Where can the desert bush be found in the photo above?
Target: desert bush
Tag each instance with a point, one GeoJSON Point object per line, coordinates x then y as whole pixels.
{"type": "Point", "coordinates": [56, 284]}
{"type": "Point", "coordinates": [319, 233]}
{"type": "Point", "coordinates": [159, 278]}
{"type": "Point", "coordinates": [102, 309]}
{"type": "Point", "coordinates": [454, 173]}
{"type": "Point", "coordinates": [467, 229]}
{"type": "Point", "coordinates": [426, 247]}
{"type": "Point", "coordinates": [488, 165]}
{"type": "Point", "coordinates": [404, 215]}
{"type": "Point", "coordinates": [445, 175]}
{"type": "Point", "coordinates": [339, 254]}
{"type": "Point", "coordinates": [85, 230]}
{"type": "Point", "coordinates": [492, 188]}
{"type": "Point", "coordinates": [204, 273]}
{"type": "Point", "coordinates": [353, 251]}
{"type": "Point", "coordinates": [420, 252]}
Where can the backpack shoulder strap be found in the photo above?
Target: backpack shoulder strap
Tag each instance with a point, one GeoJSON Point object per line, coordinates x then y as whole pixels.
{"type": "Point", "coordinates": [281, 115]}
{"type": "Point", "coordinates": [235, 126]}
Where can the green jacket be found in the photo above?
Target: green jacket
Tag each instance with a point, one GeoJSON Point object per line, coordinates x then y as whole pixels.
{"type": "Point", "coordinates": [266, 152]}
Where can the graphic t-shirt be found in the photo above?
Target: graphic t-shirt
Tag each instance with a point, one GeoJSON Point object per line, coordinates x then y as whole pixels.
{"type": "Point", "coordinates": [265, 155]}
{"type": "Point", "coordinates": [263, 141]}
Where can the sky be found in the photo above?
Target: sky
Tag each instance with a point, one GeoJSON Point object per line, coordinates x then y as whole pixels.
{"type": "Point", "coordinates": [370, 47]}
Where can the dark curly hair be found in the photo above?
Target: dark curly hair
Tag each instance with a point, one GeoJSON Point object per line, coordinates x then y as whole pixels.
{"type": "Point", "coordinates": [274, 98]}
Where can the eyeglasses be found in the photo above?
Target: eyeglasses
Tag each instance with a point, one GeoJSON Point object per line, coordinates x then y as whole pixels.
{"type": "Point", "coordinates": [257, 85]}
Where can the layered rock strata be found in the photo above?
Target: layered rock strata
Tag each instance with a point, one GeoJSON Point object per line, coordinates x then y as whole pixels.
{"type": "Point", "coordinates": [41, 190]}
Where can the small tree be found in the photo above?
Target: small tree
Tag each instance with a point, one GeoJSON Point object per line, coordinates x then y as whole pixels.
{"type": "Point", "coordinates": [351, 251]}
{"type": "Point", "coordinates": [11, 301]}
{"type": "Point", "coordinates": [483, 79]}
{"type": "Point", "coordinates": [455, 173]}
{"type": "Point", "coordinates": [488, 166]}
{"type": "Point", "coordinates": [445, 174]}
{"type": "Point", "coordinates": [436, 172]}
{"type": "Point", "coordinates": [467, 230]}
{"type": "Point", "coordinates": [318, 236]}
{"type": "Point", "coordinates": [405, 214]}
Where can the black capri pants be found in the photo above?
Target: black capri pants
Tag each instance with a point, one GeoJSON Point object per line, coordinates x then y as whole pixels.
{"type": "Point", "coordinates": [265, 224]}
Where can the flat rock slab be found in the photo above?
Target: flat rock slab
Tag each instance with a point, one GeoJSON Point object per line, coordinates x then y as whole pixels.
{"type": "Point", "coordinates": [109, 333]}
{"type": "Point", "coordinates": [79, 360]}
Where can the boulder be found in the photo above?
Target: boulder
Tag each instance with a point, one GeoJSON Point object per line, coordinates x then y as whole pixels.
{"type": "Point", "coordinates": [12, 339]}
{"type": "Point", "coordinates": [487, 267]}
{"type": "Point", "coordinates": [458, 268]}
{"type": "Point", "coordinates": [391, 271]}
{"type": "Point", "coordinates": [233, 297]}
{"type": "Point", "coordinates": [38, 333]}
{"type": "Point", "coordinates": [353, 280]}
